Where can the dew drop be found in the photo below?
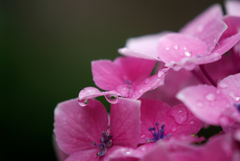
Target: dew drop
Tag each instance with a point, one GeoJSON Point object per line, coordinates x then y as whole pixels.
{"type": "Point", "coordinates": [143, 136]}
{"type": "Point", "coordinates": [188, 54]}
{"type": "Point", "coordinates": [141, 91]}
{"type": "Point", "coordinates": [147, 80]}
{"type": "Point", "coordinates": [167, 48]}
{"type": "Point", "coordinates": [192, 122]}
{"type": "Point", "coordinates": [174, 129]}
{"type": "Point", "coordinates": [223, 85]}
{"type": "Point", "coordinates": [176, 47]}
{"type": "Point", "coordinates": [236, 98]}
{"type": "Point", "coordinates": [127, 152]}
{"type": "Point", "coordinates": [210, 97]}
{"type": "Point", "coordinates": [112, 98]}
{"type": "Point", "coordinates": [83, 102]}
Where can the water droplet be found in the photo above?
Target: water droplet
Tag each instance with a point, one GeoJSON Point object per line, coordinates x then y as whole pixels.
{"type": "Point", "coordinates": [127, 152]}
{"type": "Point", "coordinates": [147, 80]}
{"type": "Point", "coordinates": [112, 98]}
{"type": "Point", "coordinates": [236, 98]}
{"type": "Point", "coordinates": [141, 91]}
{"type": "Point", "coordinates": [223, 85]}
{"type": "Point", "coordinates": [192, 122]}
{"type": "Point", "coordinates": [143, 136]}
{"type": "Point", "coordinates": [210, 97]}
{"type": "Point", "coordinates": [188, 54]}
{"type": "Point", "coordinates": [167, 48]}
{"type": "Point", "coordinates": [176, 47]}
{"type": "Point", "coordinates": [83, 102]}
{"type": "Point", "coordinates": [185, 48]}
{"type": "Point", "coordinates": [174, 129]}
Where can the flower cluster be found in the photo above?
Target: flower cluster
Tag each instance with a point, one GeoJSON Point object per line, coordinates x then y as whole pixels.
{"type": "Point", "coordinates": [159, 116]}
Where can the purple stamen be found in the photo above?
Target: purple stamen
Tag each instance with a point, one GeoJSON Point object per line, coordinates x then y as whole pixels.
{"type": "Point", "coordinates": [157, 134]}
{"type": "Point", "coordinates": [106, 142]}
{"type": "Point", "coordinates": [238, 107]}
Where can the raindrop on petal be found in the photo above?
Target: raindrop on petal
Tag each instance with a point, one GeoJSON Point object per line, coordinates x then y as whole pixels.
{"type": "Point", "coordinates": [210, 97]}
{"type": "Point", "coordinates": [223, 85]}
{"type": "Point", "coordinates": [147, 80]}
{"type": "Point", "coordinates": [167, 48]}
{"type": "Point", "coordinates": [187, 53]}
{"type": "Point", "coordinates": [143, 136]}
{"type": "Point", "coordinates": [83, 102]}
{"type": "Point", "coordinates": [192, 122]}
{"type": "Point", "coordinates": [176, 47]}
{"type": "Point", "coordinates": [174, 129]}
{"type": "Point", "coordinates": [112, 98]}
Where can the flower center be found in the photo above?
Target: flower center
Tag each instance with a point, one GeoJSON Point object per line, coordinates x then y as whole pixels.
{"type": "Point", "coordinates": [238, 107]}
{"type": "Point", "coordinates": [106, 142]}
{"type": "Point", "coordinates": [158, 134]}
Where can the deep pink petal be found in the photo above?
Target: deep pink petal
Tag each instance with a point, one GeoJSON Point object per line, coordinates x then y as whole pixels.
{"type": "Point", "coordinates": [142, 47]}
{"type": "Point", "coordinates": [152, 112]}
{"type": "Point", "coordinates": [150, 83]}
{"type": "Point", "coordinates": [184, 123]}
{"type": "Point", "coordinates": [76, 127]}
{"type": "Point", "coordinates": [230, 37]}
{"type": "Point", "coordinates": [177, 49]}
{"type": "Point", "coordinates": [232, 8]}
{"type": "Point", "coordinates": [134, 69]}
{"type": "Point", "coordinates": [125, 122]}
{"type": "Point", "coordinates": [205, 102]}
{"type": "Point", "coordinates": [60, 154]}
{"type": "Point", "coordinates": [106, 74]}
{"type": "Point", "coordinates": [85, 155]}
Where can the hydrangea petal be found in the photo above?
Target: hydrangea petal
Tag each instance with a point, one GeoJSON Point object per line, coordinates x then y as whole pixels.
{"type": "Point", "coordinates": [84, 155]}
{"type": "Point", "coordinates": [205, 102]}
{"type": "Point", "coordinates": [177, 49]}
{"type": "Point", "coordinates": [76, 127]}
{"type": "Point", "coordinates": [143, 47]}
{"type": "Point", "coordinates": [230, 37]}
{"type": "Point", "coordinates": [232, 8]}
{"type": "Point", "coordinates": [125, 122]}
{"type": "Point", "coordinates": [196, 26]}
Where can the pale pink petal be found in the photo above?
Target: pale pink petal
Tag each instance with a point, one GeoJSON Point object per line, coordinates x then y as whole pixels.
{"type": "Point", "coordinates": [125, 122]}
{"type": "Point", "coordinates": [230, 37]}
{"type": "Point", "coordinates": [130, 154]}
{"type": "Point", "coordinates": [177, 49]}
{"type": "Point", "coordinates": [232, 8]}
{"type": "Point", "coordinates": [143, 47]}
{"type": "Point", "coordinates": [106, 74]}
{"type": "Point", "coordinates": [92, 92]}
{"type": "Point", "coordinates": [230, 86]}
{"type": "Point", "coordinates": [77, 127]}
{"type": "Point", "coordinates": [205, 102]}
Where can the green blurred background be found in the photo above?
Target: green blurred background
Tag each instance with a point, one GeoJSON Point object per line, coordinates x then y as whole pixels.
{"type": "Point", "coordinates": [46, 50]}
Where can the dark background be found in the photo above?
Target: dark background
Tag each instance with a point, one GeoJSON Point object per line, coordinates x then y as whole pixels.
{"type": "Point", "coordinates": [46, 50]}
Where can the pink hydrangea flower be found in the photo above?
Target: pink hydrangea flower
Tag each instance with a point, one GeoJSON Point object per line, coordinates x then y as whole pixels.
{"type": "Point", "coordinates": [216, 106]}
{"type": "Point", "coordinates": [232, 7]}
{"type": "Point", "coordinates": [161, 121]}
{"type": "Point", "coordinates": [125, 76]}
{"type": "Point", "coordinates": [201, 41]}
{"type": "Point", "coordinates": [82, 132]}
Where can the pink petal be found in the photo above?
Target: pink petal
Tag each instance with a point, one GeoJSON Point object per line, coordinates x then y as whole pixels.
{"type": "Point", "coordinates": [205, 102]}
{"type": "Point", "coordinates": [76, 127]}
{"type": "Point", "coordinates": [92, 92]}
{"type": "Point", "coordinates": [60, 154]}
{"type": "Point", "coordinates": [230, 87]}
{"type": "Point", "coordinates": [142, 47]}
{"type": "Point", "coordinates": [152, 112]}
{"type": "Point", "coordinates": [106, 74]}
{"type": "Point", "coordinates": [197, 25]}
{"type": "Point", "coordinates": [125, 122]}
{"type": "Point", "coordinates": [130, 154]}
{"type": "Point", "coordinates": [150, 83]}
{"type": "Point", "coordinates": [184, 123]}
{"type": "Point", "coordinates": [85, 155]}
{"type": "Point", "coordinates": [230, 37]}
{"type": "Point", "coordinates": [177, 49]}
{"type": "Point", "coordinates": [232, 8]}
